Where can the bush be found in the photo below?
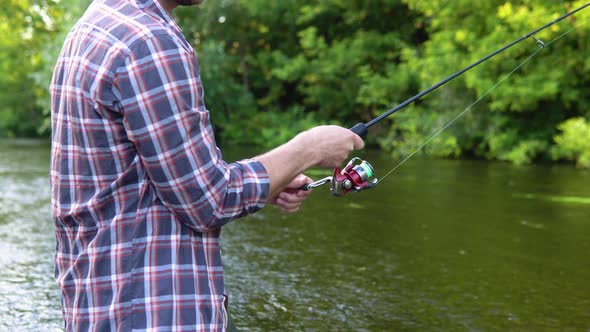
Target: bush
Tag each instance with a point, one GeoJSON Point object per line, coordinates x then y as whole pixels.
{"type": "Point", "coordinates": [573, 143]}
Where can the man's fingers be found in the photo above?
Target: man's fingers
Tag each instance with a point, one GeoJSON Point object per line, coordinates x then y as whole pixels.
{"type": "Point", "coordinates": [294, 197]}
{"type": "Point", "coordinates": [358, 142]}
{"type": "Point", "coordinates": [290, 200]}
{"type": "Point", "coordinates": [299, 181]}
{"type": "Point", "coordinates": [288, 206]}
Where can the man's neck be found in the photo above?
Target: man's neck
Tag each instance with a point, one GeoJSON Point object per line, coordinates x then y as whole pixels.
{"type": "Point", "coordinates": [168, 5]}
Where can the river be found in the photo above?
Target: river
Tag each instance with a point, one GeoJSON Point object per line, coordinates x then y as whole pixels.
{"type": "Point", "coordinates": [438, 245]}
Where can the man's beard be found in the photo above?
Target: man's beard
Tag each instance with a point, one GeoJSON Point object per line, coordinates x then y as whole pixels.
{"type": "Point", "coordinates": [188, 2]}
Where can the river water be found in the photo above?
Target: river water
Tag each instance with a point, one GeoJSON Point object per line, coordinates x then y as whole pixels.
{"type": "Point", "coordinates": [439, 245]}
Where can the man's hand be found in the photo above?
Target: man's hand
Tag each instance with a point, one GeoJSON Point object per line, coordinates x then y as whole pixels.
{"type": "Point", "coordinates": [329, 146]}
{"type": "Point", "coordinates": [291, 198]}
{"type": "Point", "coordinates": [322, 146]}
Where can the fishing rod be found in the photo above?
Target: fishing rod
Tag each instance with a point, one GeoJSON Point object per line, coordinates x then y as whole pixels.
{"type": "Point", "coordinates": [360, 176]}
{"type": "Point", "coordinates": [361, 129]}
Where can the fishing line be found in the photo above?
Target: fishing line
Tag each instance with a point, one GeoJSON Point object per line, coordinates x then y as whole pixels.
{"type": "Point", "coordinates": [438, 54]}
{"type": "Point", "coordinates": [359, 174]}
{"type": "Point", "coordinates": [494, 87]}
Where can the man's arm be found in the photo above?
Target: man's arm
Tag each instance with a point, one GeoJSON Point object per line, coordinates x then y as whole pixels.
{"type": "Point", "coordinates": [323, 146]}
{"type": "Point", "coordinates": [166, 119]}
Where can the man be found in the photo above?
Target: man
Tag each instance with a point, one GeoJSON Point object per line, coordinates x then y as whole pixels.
{"type": "Point", "coordinates": [139, 187]}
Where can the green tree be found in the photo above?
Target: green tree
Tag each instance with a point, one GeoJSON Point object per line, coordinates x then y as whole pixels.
{"type": "Point", "coordinates": [518, 120]}
{"type": "Point", "coordinates": [573, 142]}
{"type": "Point", "coordinates": [20, 21]}
{"type": "Point", "coordinates": [298, 63]}
{"type": "Point", "coordinates": [292, 64]}
{"type": "Point", "coordinates": [272, 69]}
{"type": "Point", "coordinates": [31, 33]}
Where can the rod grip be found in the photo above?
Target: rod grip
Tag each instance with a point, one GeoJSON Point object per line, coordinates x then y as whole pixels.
{"type": "Point", "coordinates": [360, 129]}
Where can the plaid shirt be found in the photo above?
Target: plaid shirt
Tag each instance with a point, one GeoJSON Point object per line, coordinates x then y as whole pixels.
{"type": "Point", "coordinates": [139, 187]}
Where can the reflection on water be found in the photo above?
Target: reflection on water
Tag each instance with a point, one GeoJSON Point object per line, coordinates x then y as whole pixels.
{"type": "Point", "coordinates": [439, 245]}
{"type": "Point", "coordinates": [29, 298]}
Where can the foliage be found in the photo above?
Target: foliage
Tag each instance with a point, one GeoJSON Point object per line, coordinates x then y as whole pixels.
{"type": "Point", "coordinates": [305, 63]}
{"type": "Point", "coordinates": [573, 143]}
{"type": "Point", "coordinates": [345, 61]}
{"type": "Point", "coordinates": [19, 20]}
{"type": "Point", "coordinates": [517, 120]}
{"type": "Point", "coordinates": [272, 69]}
{"type": "Point", "coordinates": [31, 33]}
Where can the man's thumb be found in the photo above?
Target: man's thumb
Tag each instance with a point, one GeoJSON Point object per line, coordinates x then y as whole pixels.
{"type": "Point", "coordinates": [299, 181]}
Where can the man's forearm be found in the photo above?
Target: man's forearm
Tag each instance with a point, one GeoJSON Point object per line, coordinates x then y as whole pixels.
{"type": "Point", "coordinates": [286, 162]}
{"type": "Point", "coordinates": [323, 146]}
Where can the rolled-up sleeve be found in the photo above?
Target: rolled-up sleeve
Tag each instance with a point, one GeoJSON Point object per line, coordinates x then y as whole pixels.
{"type": "Point", "coordinates": [165, 117]}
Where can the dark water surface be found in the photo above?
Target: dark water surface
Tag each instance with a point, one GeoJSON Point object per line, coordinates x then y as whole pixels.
{"type": "Point", "coordinates": [439, 245]}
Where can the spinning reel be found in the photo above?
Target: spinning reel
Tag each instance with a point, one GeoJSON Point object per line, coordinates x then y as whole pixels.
{"type": "Point", "coordinates": [357, 175]}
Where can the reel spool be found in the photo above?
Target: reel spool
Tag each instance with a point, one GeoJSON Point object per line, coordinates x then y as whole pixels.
{"type": "Point", "coordinates": [357, 175]}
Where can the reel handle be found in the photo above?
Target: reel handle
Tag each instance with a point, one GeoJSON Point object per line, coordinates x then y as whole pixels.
{"type": "Point", "coordinates": [315, 184]}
